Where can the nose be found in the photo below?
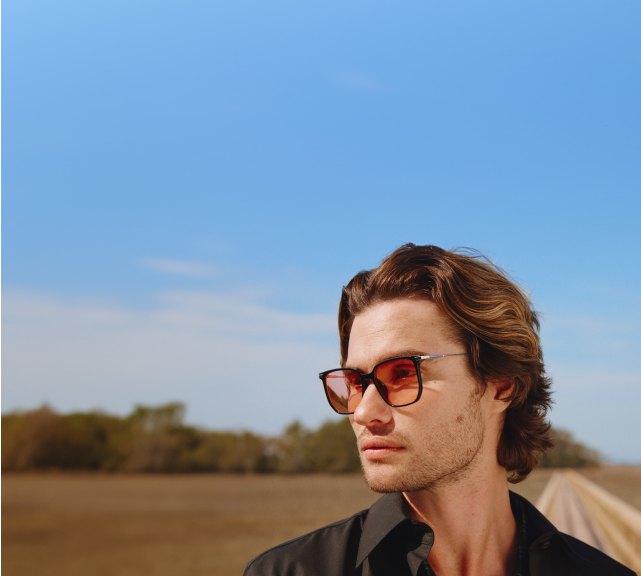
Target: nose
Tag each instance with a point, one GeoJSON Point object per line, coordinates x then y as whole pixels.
{"type": "Point", "coordinates": [372, 409]}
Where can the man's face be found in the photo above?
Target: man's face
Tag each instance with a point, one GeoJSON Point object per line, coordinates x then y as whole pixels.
{"type": "Point", "coordinates": [436, 440]}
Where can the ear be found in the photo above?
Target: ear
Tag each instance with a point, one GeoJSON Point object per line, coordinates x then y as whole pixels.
{"type": "Point", "coordinates": [500, 389]}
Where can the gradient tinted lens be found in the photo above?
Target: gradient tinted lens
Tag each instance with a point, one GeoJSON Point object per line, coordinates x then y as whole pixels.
{"type": "Point", "coordinates": [397, 381]}
{"type": "Point", "coordinates": [344, 390]}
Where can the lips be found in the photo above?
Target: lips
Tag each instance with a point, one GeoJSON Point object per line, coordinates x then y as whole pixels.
{"type": "Point", "coordinates": [378, 449]}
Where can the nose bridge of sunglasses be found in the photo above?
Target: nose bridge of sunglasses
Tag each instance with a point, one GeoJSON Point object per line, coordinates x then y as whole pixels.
{"type": "Point", "coordinates": [381, 389]}
{"type": "Point", "coordinates": [366, 380]}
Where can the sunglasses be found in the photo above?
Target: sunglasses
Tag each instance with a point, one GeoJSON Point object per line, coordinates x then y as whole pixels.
{"type": "Point", "coordinates": [398, 381]}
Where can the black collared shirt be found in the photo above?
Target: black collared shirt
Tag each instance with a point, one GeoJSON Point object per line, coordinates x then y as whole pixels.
{"type": "Point", "coordinates": [384, 540]}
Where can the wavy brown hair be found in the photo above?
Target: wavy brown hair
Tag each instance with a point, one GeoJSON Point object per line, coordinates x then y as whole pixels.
{"type": "Point", "coordinates": [493, 318]}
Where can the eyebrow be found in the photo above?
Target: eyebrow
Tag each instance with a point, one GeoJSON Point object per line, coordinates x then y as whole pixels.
{"type": "Point", "coordinates": [396, 354]}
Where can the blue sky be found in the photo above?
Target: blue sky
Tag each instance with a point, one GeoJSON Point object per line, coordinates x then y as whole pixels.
{"type": "Point", "coordinates": [187, 186]}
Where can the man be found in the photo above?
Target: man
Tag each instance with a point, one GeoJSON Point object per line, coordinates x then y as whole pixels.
{"type": "Point", "coordinates": [443, 380]}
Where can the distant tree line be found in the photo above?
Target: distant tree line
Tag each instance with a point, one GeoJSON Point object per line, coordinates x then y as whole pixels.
{"type": "Point", "coordinates": [155, 439]}
{"type": "Point", "coordinates": [569, 453]}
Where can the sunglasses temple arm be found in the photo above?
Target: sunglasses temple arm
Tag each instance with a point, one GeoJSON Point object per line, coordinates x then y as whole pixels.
{"type": "Point", "coordinates": [441, 355]}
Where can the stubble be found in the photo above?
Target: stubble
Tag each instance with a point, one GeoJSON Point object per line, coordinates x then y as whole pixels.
{"type": "Point", "coordinates": [441, 456]}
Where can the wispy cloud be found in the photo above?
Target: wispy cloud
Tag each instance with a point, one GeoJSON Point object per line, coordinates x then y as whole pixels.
{"type": "Point", "coordinates": [597, 380]}
{"type": "Point", "coordinates": [578, 379]}
{"type": "Point", "coordinates": [179, 267]}
{"type": "Point", "coordinates": [593, 340]}
{"type": "Point", "coordinates": [236, 363]}
{"type": "Point", "coordinates": [600, 405]}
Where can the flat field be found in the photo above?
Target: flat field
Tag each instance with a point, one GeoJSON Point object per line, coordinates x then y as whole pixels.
{"type": "Point", "coordinates": [161, 525]}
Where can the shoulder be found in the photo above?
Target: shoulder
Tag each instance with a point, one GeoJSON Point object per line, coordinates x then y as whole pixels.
{"type": "Point", "coordinates": [554, 552]}
{"type": "Point", "coordinates": [603, 564]}
{"type": "Point", "coordinates": [328, 550]}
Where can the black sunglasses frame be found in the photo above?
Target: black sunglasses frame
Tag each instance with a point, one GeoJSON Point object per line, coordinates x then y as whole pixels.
{"type": "Point", "coordinates": [367, 377]}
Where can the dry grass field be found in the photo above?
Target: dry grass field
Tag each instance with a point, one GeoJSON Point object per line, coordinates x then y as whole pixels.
{"type": "Point", "coordinates": [79, 524]}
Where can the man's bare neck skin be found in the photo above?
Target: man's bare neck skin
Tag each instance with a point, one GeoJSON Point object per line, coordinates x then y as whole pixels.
{"type": "Point", "coordinates": [475, 531]}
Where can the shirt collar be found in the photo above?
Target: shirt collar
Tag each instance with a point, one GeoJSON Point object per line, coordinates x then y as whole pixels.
{"type": "Point", "coordinates": [384, 516]}
{"type": "Point", "coordinates": [541, 530]}
{"type": "Point", "coordinates": [522, 564]}
{"type": "Point", "coordinates": [539, 523]}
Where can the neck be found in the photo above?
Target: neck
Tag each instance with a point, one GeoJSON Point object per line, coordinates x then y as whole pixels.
{"type": "Point", "coordinates": [474, 528]}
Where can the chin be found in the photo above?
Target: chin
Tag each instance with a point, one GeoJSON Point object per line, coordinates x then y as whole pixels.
{"type": "Point", "coordinates": [384, 478]}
